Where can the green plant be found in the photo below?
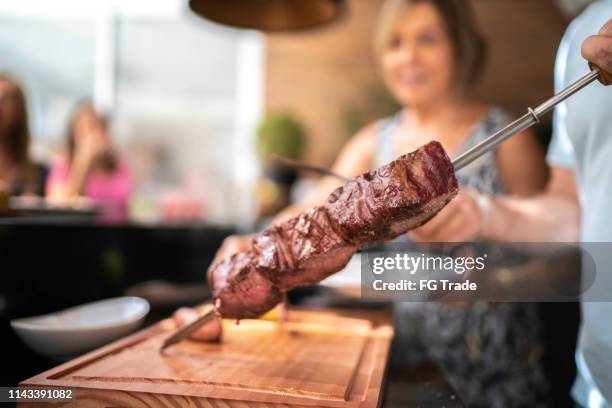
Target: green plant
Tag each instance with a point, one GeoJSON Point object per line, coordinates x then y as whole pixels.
{"type": "Point", "coordinates": [280, 134]}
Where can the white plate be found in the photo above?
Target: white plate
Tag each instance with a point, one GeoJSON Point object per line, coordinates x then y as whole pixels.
{"type": "Point", "coordinates": [82, 328]}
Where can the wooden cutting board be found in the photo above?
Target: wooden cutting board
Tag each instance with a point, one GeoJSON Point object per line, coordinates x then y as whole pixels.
{"type": "Point", "coordinates": [320, 358]}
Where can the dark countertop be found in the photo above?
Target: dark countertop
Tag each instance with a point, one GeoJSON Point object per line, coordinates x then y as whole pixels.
{"type": "Point", "coordinates": [45, 267]}
{"type": "Point", "coordinates": [419, 387]}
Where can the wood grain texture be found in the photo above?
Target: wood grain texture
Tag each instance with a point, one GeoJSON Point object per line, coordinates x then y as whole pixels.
{"type": "Point", "coordinates": [321, 358]}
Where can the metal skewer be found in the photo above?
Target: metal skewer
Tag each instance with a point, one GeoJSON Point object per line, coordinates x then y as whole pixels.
{"type": "Point", "coordinates": [532, 117]}
{"type": "Point", "coordinates": [187, 330]}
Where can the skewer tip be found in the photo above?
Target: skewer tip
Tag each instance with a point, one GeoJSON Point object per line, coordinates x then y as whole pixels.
{"type": "Point", "coordinates": [185, 331]}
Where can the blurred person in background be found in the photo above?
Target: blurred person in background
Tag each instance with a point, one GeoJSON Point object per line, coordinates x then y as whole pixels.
{"type": "Point", "coordinates": [18, 174]}
{"type": "Point", "coordinates": [91, 167]}
{"type": "Point", "coordinates": [430, 53]}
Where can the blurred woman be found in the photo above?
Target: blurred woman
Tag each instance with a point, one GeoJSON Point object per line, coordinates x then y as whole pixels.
{"type": "Point", "coordinates": [91, 167]}
{"type": "Point", "coordinates": [18, 175]}
{"type": "Point", "coordinates": [430, 53]}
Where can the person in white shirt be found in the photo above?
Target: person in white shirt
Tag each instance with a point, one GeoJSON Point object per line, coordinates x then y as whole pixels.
{"type": "Point", "coordinates": [576, 204]}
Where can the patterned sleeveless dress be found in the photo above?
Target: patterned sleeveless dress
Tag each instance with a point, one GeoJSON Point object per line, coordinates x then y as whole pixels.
{"type": "Point", "coordinates": [489, 352]}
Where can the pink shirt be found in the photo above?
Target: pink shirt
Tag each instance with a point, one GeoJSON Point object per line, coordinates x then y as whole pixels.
{"type": "Point", "coordinates": [110, 191]}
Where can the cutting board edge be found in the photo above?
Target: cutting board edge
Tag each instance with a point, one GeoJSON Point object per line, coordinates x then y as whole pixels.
{"type": "Point", "coordinates": [380, 338]}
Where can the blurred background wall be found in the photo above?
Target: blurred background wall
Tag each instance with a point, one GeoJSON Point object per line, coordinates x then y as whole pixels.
{"type": "Point", "coordinates": [186, 96]}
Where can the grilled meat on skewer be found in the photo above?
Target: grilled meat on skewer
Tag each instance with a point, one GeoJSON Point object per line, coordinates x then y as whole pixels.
{"type": "Point", "coordinates": [377, 206]}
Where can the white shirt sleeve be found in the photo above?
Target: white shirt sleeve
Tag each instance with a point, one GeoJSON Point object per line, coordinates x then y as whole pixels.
{"type": "Point", "coordinates": [561, 151]}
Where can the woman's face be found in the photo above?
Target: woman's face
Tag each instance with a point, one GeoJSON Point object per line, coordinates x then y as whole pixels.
{"type": "Point", "coordinates": [9, 106]}
{"type": "Point", "coordinates": [418, 60]}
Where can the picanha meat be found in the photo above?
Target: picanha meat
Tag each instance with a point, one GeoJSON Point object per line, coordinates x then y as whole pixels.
{"type": "Point", "coordinates": [374, 207]}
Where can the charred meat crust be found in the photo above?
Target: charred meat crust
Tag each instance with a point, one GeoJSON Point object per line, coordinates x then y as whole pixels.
{"type": "Point", "coordinates": [376, 206]}
{"type": "Point", "coordinates": [370, 207]}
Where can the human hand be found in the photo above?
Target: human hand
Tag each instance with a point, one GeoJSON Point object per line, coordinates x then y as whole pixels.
{"type": "Point", "coordinates": [461, 220]}
{"type": "Point", "coordinates": [598, 48]}
{"type": "Point", "coordinates": [92, 146]}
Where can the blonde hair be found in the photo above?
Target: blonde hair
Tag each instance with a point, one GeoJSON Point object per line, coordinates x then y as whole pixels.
{"type": "Point", "coordinates": [460, 23]}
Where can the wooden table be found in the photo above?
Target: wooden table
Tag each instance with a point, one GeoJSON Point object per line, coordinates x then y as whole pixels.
{"type": "Point", "coordinates": [320, 358]}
